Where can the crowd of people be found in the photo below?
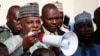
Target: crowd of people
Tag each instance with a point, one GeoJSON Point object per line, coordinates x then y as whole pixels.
{"type": "Point", "coordinates": [15, 39]}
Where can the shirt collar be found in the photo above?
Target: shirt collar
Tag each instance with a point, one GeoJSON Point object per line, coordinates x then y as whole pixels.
{"type": "Point", "coordinates": [48, 32]}
{"type": "Point", "coordinates": [8, 28]}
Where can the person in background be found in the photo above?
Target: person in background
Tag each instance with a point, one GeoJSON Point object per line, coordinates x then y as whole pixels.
{"type": "Point", "coordinates": [12, 19]}
{"type": "Point", "coordinates": [50, 18]}
{"type": "Point", "coordinates": [3, 50]}
{"type": "Point", "coordinates": [43, 52]}
{"type": "Point", "coordinates": [84, 30]}
{"type": "Point", "coordinates": [66, 22]}
{"type": "Point", "coordinates": [71, 26]}
{"type": "Point", "coordinates": [96, 20]}
{"type": "Point", "coordinates": [62, 26]}
{"type": "Point", "coordinates": [12, 27]}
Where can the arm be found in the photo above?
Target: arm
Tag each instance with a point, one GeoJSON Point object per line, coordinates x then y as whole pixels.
{"type": "Point", "coordinates": [13, 43]}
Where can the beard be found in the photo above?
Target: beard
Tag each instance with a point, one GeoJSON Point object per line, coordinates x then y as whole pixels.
{"type": "Point", "coordinates": [86, 39]}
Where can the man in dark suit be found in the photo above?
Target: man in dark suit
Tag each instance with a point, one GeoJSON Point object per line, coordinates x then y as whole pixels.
{"type": "Point", "coordinates": [51, 19]}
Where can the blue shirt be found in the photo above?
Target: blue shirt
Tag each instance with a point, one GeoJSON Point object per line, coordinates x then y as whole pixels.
{"type": "Point", "coordinates": [94, 51]}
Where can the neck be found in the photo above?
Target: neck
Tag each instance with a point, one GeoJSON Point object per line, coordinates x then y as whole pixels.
{"type": "Point", "coordinates": [98, 27]}
{"type": "Point", "coordinates": [86, 43]}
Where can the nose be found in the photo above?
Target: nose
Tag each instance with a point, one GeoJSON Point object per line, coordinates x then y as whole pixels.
{"type": "Point", "coordinates": [35, 25]}
{"type": "Point", "coordinates": [54, 21]}
{"type": "Point", "coordinates": [87, 28]}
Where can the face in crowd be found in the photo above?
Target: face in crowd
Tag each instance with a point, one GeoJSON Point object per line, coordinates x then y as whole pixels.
{"type": "Point", "coordinates": [32, 24]}
{"type": "Point", "coordinates": [84, 29]}
{"type": "Point", "coordinates": [97, 17]}
{"type": "Point", "coordinates": [50, 17]}
{"type": "Point", "coordinates": [12, 19]}
{"type": "Point", "coordinates": [61, 18]}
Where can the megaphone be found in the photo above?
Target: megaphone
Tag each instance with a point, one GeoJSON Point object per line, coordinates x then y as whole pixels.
{"type": "Point", "coordinates": [68, 42]}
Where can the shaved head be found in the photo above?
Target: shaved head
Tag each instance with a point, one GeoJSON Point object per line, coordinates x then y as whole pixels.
{"type": "Point", "coordinates": [12, 9]}
{"type": "Point", "coordinates": [43, 52]}
{"type": "Point", "coordinates": [48, 7]}
{"type": "Point", "coordinates": [50, 17]}
{"type": "Point", "coordinates": [12, 19]}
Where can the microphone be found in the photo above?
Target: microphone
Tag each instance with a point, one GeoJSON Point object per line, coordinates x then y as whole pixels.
{"type": "Point", "coordinates": [68, 42]}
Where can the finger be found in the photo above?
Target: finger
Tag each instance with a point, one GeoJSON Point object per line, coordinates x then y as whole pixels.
{"type": "Point", "coordinates": [30, 33]}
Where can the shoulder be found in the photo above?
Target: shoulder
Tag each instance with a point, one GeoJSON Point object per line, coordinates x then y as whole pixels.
{"type": "Point", "coordinates": [60, 32]}
{"type": "Point", "coordinates": [97, 49]}
{"type": "Point", "coordinates": [96, 46]}
{"type": "Point", "coordinates": [37, 45]}
{"type": "Point", "coordinates": [2, 28]}
{"type": "Point", "coordinates": [13, 39]}
{"type": "Point", "coordinates": [78, 52]}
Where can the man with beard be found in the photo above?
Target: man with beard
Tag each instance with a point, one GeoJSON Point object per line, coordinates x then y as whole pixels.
{"type": "Point", "coordinates": [97, 22]}
{"type": "Point", "coordinates": [11, 28]}
{"type": "Point", "coordinates": [84, 30]}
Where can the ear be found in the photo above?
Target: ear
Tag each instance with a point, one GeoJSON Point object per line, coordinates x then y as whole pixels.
{"type": "Point", "coordinates": [20, 25]}
{"type": "Point", "coordinates": [42, 18]}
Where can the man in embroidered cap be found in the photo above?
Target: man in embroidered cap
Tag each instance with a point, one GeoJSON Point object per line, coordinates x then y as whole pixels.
{"type": "Point", "coordinates": [60, 9]}
{"type": "Point", "coordinates": [97, 22]}
{"type": "Point", "coordinates": [29, 20]}
{"type": "Point", "coordinates": [84, 31]}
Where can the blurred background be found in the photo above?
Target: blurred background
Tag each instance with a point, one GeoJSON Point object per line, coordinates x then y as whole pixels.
{"type": "Point", "coordinates": [70, 7]}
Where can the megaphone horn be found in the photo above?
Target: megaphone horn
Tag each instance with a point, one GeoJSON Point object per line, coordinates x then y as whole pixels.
{"type": "Point", "coordinates": [68, 42]}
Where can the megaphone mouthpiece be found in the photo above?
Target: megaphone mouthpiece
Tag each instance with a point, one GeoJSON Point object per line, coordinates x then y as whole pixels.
{"type": "Point", "coordinates": [40, 37]}
{"type": "Point", "coordinates": [53, 40]}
